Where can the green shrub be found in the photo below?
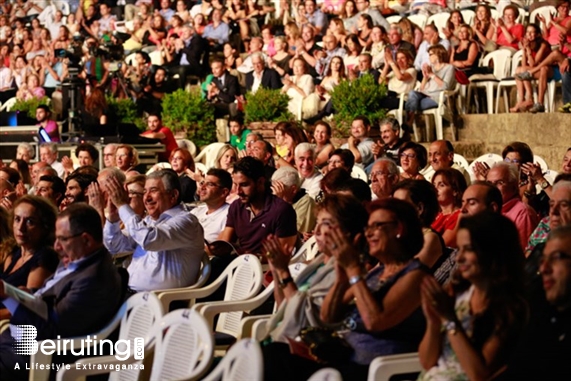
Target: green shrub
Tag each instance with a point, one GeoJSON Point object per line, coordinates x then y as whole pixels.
{"type": "Point", "coordinates": [184, 111]}
{"type": "Point", "coordinates": [266, 105]}
{"type": "Point", "coordinates": [361, 96]}
{"type": "Point", "coordinates": [124, 111]}
{"type": "Point", "coordinates": [29, 106]}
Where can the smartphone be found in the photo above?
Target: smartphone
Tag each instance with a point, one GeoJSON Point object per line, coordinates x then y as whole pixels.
{"type": "Point", "coordinates": [44, 136]}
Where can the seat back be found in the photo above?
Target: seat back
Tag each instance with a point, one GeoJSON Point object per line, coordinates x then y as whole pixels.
{"type": "Point", "coordinates": [358, 173]}
{"type": "Point", "coordinates": [468, 16]}
{"type": "Point", "coordinates": [461, 161]}
{"type": "Point", "coordinates": [243, 362]}
{"type": "Point", "coordinates": [244, 281]}
{"type": "Point", "coordinates": [188, 144]}
{"type": "Point", "coordinates": [490, 159]}
{"type": "Point", "coordinates": [184, 346]}
{"type": "Point", "coordinates": [208, 154]}
{"type": "Point", "coordinates": [419, 20]}
{"type": "Point", "coordinates": [143, 310]}
{"type": "Point", "coordinates": [304, 251]}
{"type": "Point", "coordinates": [326, 374]}
{"type": "Point", "coordinates": [516, 60]}
{"type": "Point", "coordinates": [205, 270]}
{"type": "Point", "coordinates": [393, 19]}
{"type": "Point", "coordinates": [545, 11]}
{"type": "Point", "coordinates": [440, 20]}
{"type": "Point", "coordinates": [502, 61]}
{"type": "Point", "coordinates": [385, 367]}
{"type": "Point", "coordinates": [542, 163]}
{"type": "Point", "coordinates": [7, 106]}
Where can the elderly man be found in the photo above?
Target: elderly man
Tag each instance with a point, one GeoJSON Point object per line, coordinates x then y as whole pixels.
{"type": "Point", "coordinates": [80, 299]}
{"type": "Point", "coordinates": [262, 150]}
{"type": "Point", "coordinates": [167, 244]}
{"type": "Point", "coordinates": [396, 42]}
{"type": "Point", "coordinates": [213, 191]}
{"type": "Point", "coordinates": [543, 351]}
{"type": "Point", "coordinates": [441, 155]}
{"type": "Point", "coordinates": [359, 142]}
{"type": "Point", "coordinates": [109, 155]}
{"type": "Point", "coordinates": [505, 177]}
{"type": "Point", "coordinates": [365, 67]}
{"type": "Point", "coordinates": [390, 135]}
{"type": "Point", "coordinates": [431, 38]}
{"type": "Point", "coordinates": [305, 163]}
{"type": "Point", "coordinates": [191, 49]}
{"type": "Point", "coordinates": [257, 213]}
{"type": "Point", "coordinates": [262, 76]}
{"type": "Point", "coordinates": [256, 46]}
{"type": "Point", "coordinates": [384, 176]}
{"type": "Point", "coordinates": [286, 185]}
{"type": "Point", "coordinates": [479, 197]}
{"type": "Point", "coordinates": [49, 155]}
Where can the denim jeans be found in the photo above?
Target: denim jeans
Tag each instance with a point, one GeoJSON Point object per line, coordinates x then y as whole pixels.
{"type": "Point", "coordinates": [418, 101]}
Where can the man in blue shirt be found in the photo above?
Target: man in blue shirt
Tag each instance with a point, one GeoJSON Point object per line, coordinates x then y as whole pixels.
{"type": "Point", "coordinates": [216, 32]}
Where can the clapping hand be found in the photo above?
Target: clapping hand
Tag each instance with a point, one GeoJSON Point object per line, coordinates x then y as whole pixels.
{"type": "Point", "coordinates": [278, 256]}
{"type": "Point", "coordinates": [437, 305]}
{"type": "Point", "coordinates": [481, 170]}
{"type": "Point", "coordinates": [338, 245]}
{"type": "Point", "coordinates": [117, 193]}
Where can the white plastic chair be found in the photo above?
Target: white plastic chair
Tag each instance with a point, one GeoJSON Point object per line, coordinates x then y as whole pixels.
{"type": "Point", "coordinates": [398, 113]}
{"type": "Point", "coordinates": [359, 173]}
{"type": "Point", "coordinates": [508, 82]}
{"type": "Point", "coordinates": [205, 270]}
{"type": "Point", "coordinates": [442, 111]}
{"type": "Point", "coordinates": [384, 367]}
{"type": "Point", "coordinates": [188, 144]}
{"type": "Point", "coordinates": [244, 280]}
{"type": "Point", "coordinates": [306, 252]}
{"type": "Point", "coordinates": [201, 168]}
{"type": "Point", "coordinates": [393, 19]}
{"type": "Point", "coordinates": [461, 161]}
{"type": "Point", "coordinates": [468, 16]}
{"type": "Point", "coordinates": [419, 20]}
{"type": "Point", "coordinates": [243, 362]}
{"type": "Point", "coordinates": [490, 159]}
{"type": "Point", "coordinates": [7, 106]}
{"type": "Point", "coordinates": [440, 20]}
{"type": "Point", "coordinates": [136, 318]}
{"type": "Point", "coordinates": [545, 11]}
{"type": "Point", "coordinates": [63, 6]}
{"type": "Point", "coordinates": [542, 163]}
{"type": "Point", "coordinates": [502, 61]}
{"type": "Point", "coordinates": [156, 57]}
{"type": "Point", "coordinates": [208, 154]}
{"type": "Point", "coordinates": [326, 374]}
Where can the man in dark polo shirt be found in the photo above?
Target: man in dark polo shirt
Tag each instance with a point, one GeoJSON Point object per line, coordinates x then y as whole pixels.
{"type": "Point", "coordinates": [257, 213]}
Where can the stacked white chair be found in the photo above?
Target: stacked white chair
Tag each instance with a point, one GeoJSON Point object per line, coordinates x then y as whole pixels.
{"type": "Point", "coordinates": [242, 362]}
{"type": "Point", "coordinates": [508, 82]}
{"type": "Point", "coordinates": [502, 61]}
{"type": "Point", "coordinates": [385, 367]}
{"type": "Point", "coordinates": [208, 154]}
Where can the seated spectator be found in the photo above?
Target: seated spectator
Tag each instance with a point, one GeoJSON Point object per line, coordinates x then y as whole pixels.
{"type": "Point", "coordinates": [484, 29]}
{"type": "Point", "coordinates": [422, 195]}
{"type": "Point", "coordinates": [51, 188]}
{"type": "Point", "coordinates": [262, 150]}
{"type": "Point", "coordinates": [292, 35]}
{"type": "Point", "coordinates": [257, 213]}
{"type": "Point", "coordinates": [438, 76]}
{"type": "Point", "coordinates": [365, 27]}
{"type": "Point", "coordinates": [293, 136]}
{"type": "Point", "coordinates": [384, 176]}
{"type": "Point", "coordinates": [489, 254]}
{"type": "Point", "coordinates": [222, 90]}
{"type": "Point", "coordinates": [199, 23]}
{"type": "Point", "coordinates": [238, 132]}
{"type": "Point", "coordinates": [24, 169]}
{"type": "Point", "coordinates": [519, 154]}
{"type": "Point", "coordinates": [331, 50]}
{"type": "Point", "coordinates": [76, 189]}
{"type": "Point", "coordinates": [333, 77]}
{"type": "Point", "coordinates": [153, 93]}
{"type": "Point", "coordinates": [49, 155]}
{"type": "Point", "coordinates": [412, 160]}
{"type": "Point", "coordinates": [31, 89]}
{"type": "Point", "coordinates": [452, 29]}
{"type": "Point", "coordinates": [86, 154]}
{"type": "Point", "coordinates": [480, 197]}
{"type": "Point", "coordinates": [126, 158]}
{"type": "Point", "coordinates": [232, 58]}
{"type": "Point", "coordinates": [431, 40]}
{"type": "Point", "coordinates": [315, 17]}
{"type": "Point", "coordinates": [508, 32]}
{"type": "Point", "coordinates": [348, 14]}
{"type": "Point", "coordinates": [256, 46]}
{"type": "Point", "coordinates": [378, 46]}
{"type": "Point", "coordinates": [505, 177]}
{"type": "Point", "coordinates": [11, 175]}
{"type": "Point", "coordinates": [380, 312]}
{"type": "Point", "coordinates": [167, 244]}
{"type": "Point", "coordinates": [236, 17]}
{"type": "Point", "coordinates": [341, 158]}
{"type": "Point", "coordinates": [261, 76]}
{"type": "Point", "coordinates": [217, 32]}
{"type": "Point", "coordinates": [441, 156]}
{"type": "Point", "coordinates": [336, 28]}
{"type": "Point", "coordinates": [400, 77]}
{"type": "Point", "coordinates": [323, 145]}
{"type": "Point", "coordinates": [212, 192]}
{"type": "Point", "coordinates": [94, 112]}
{"type": "Point", "coordinates": [535, 50]}
{"type": "Point", "coordinates": [190, 50]}
{"type": "Point", "coordinates": [391, 140]}
{"type": "Point", "coordinates": [307, 292]}
{"type": "Point", "coordinates": [299, 87]}
{"type": "Point", "coordinates": [351, 59]}
{"type": "Point", "coordinates": [305, 163]}
{"type": "Point", "coordinates": [135, 42]}
{"type": "Point", "coordinates": [365, 67]}
{"type": "Point", "coordinates": [280, 60]}
{"type": "Point", "coordinates": [450, 185]}
{"type": "Point", "coordinates": [465, 54]}
{"type": "Point", "coordinates": [25, 152]}
{"type": "Point", "coordinates": [359, 142]}
{"type": "Point", "coordinates": [306, 48]}
{"type": "Point", "coordinates": [396, 41]}
{"type": "Point", "coordinates": [82, 297]}
{"type": "Point", "coordinates": [166, 11]}
{"type": "Point", "coordinates": [109, 155]}
{"type": "Point", "coordinates": [183, 164]}
{"type": "Point", "coordinates": [226, 157]}
{"type": "Point", "coordinates": [20, 71]}
{"type": "Point", "coordinates": [156, 130]}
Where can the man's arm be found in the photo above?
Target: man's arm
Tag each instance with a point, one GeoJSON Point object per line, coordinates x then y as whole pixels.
{"type": "Point", "coordinates": [114, 239]}
{"type": "Point", "coordinates": [227, 234]}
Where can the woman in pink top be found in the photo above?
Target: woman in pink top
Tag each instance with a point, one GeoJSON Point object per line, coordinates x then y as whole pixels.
{"type": "Point", "coordinates": [508, 33]}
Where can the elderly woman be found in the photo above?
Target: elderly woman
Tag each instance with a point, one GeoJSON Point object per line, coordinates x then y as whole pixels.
{"type": "Point", "coordinates": [437, 77]}
{"type": "Point", "coordinates": [126, 158]}
{"type": "Point", "coordinates": [399, 75]}
{"type": "Point", "coordinates": [380, 312]}
{"type": "Point", "coordinates": [474, 324]}
{"type": "Point", "coordinates": [413, 159]}
{"type": "Point", "coordinates": [33, 259]}
{"type": "Point", "coordinates": [508, 32]}
{"type": "Point", "coordinates": [341, 158]}
{"type": "Point", "coordinates": [25, 152]}
{"type": "Point", "coordinates": [299, 87]}
{"type": "Point", "coordinates": [182, 163]}
{"type": "Point", "coordinates": [323, 145]}
{"type": "Point", "coordinates": [450, 186]}
{"type": "Point", "coordinates": [31, 89]}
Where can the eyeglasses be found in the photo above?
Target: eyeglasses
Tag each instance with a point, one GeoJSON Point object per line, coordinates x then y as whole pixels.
{"type": "Point", "coordinates": [209, 184]}
{"type": "Point", "coordinates": [514, 161]}
{"type": "Point", "coordinates": [380, 174]}
{"type": "Point", "coordinates": [65, 239]}
{"type": "Point", "coordinates": [408, 155]}
{"type": "Point", "coordinates": [377, 226]}
{"type": "Point", "coordinates": [500, 183]}
{"type": "Point", "coordinates": [555, 257]}
{"type": "Point", "coordinates": [136, 194]}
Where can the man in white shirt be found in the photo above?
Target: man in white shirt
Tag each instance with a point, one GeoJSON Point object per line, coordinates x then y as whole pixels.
{"type": "Point", "coordinates": [305, 163]}
{"type": "Point", "coordinates": [431, 38]}
{"type": "Point", "coordinates": [213, 191]}
{"type": "Point", "coordinates": [49, 155]}
{"type": "Point", "coordinates": [359, 142]}
{"type": "Point", "coordinates": [167, 244]}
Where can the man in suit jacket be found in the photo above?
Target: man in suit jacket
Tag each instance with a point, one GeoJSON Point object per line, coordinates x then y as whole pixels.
{"type": "Point", "coordinates": [191, 55]}
{"type": "Point", "coordinates": [80, 299]}
{"type": "Point", "coordinates": [222, 91]}
{"type": "Point", "coordinates": [262, 76]}
{"type": "Point", "coordinates": [366, 67]}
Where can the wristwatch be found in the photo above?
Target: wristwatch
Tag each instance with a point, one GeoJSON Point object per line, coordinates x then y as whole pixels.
{"type": "Point", "coordinates": [355, 279]}
{"type": "Point", "coordinates": [450, 326]}
{"type": "Point", "coordinates": [285, 281]}
{"type": "Point", "coordinates": [544, 184]}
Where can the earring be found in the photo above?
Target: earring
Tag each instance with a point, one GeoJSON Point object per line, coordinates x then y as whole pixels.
{"type": "Point", "coordinates": [398, 236]}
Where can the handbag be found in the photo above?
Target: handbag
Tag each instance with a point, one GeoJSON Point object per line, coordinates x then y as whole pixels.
{"type": "Point", "coordinates": [325, 345]}
{"type": "Point", "coordinates": [461, 77]}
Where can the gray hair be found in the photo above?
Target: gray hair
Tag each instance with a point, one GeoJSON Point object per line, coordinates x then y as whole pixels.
{"type": "Point", "coordinates": [303, 148]}
{"type": "Point", "coordinates": [560, 232]}
{"type": "Point", "coordinates": [395, 126]}
{"type": "Point", "coordinates": [395, 26]}
{"type": "Point", "coordinates": [256, 134]}
{"type": "Point", "coordinates": [51, 146]}
{"type": "Point", "coordinates": [113, 172]}
{"type": "Point", "coordinates": [512, 170]}
{"type": "Point", "coordinates": [260, 55]}
{"type": "Point", "coordinates": [288, 176]}
{"type": "Point", "coordinates": [169, 178]}
{"type": "Point", "coordinates": [393, 169]}
{"type": "Point", "coordinates": [28, 147]}
{"type": "Point", "coordinates": [562, 184]}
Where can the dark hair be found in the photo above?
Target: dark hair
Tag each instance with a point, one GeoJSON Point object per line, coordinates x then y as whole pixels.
{"type": "Point", "coordinates": [250, 167]}
{"type": "Point", "coordinates": [346, 155]}
{"type": "Point", "coordinates": [449, 24]}
{"type": "Point", "coordinates": [411, 239]}
{"type": "Point", "coordinates": [348, 210]}
{"type": "Point", "coordinates": [83, 219]}
{"type": "Point", "coordinates": [47, 214]}
{"type": "Point", "coordinates": [363, 119]}
{"type": "Point", "coordinates": [13, 175]}
{"type": "Point", "coordinates": [88, 170]}
{"type": "Point", "coordinates": [91, 150]}
{"type": "Point", "coordinates": [295, 132]}
{"type": "Point", "coordinates": [82, 179]}
{"type": "Point", "coordinates": [493, 194]}
{"type": "Point", "coordinates": [324, 124]}
{"type": "Point", "coordinates": [358, 188]}
{"type": "Point", "coordinates": [238, 119]}
{"type": "Point", "coordinates": [58, 186]}
{"type": "Point", "coordinates": [419, 151]}
{"type": "Point", "coordinates": [45, 108]}
{"type": "Point", "coordinates": [334, 179]}
{"type": "Point", "coordinates": [24, 170]}
{"type": "Point", "coordinates": [522, 149]}
{"type": "Point", "coordinates": [456, 180]}
{"type": "Point", "coordinates": [223, 176]}
{"type": "Point", "coordinates": [495, 240]}
{"type": "Point", "coordinates": [421, 192]}
{"type": "Point", "coordinates": [368, 19]}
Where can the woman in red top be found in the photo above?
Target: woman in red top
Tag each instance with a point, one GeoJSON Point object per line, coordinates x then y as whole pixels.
{"type": "Point", "coordinates": [508, 33]}
{"type": "Point", "coordinates": [450, 186]}
{"type": "Point", "coordinates": [158, 131]}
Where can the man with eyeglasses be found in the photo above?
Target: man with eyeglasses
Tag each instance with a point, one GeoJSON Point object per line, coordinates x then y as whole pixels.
{"type": "Point", "coordinates": [384, 176]}
{"type": "Point", "coordinates": [331, 48]}
{"type": "Point", "coordinates": [543, 351]}
{"type": "Point", "coordinates": [213, 191]}
{"type": "Point", "coordinates": [505, 177]}
{"type": "Point", "coordinates": [80, 299]}
{"type": "Point", "coordinates": [109, 155]}
{"type": "Point", "coordinates": [167, 244]}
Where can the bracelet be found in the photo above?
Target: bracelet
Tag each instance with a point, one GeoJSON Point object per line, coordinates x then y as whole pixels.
{"type": "Point", "coordinates": [285, 281]}
{"type": "Point", "coordinates": [355, 279]}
